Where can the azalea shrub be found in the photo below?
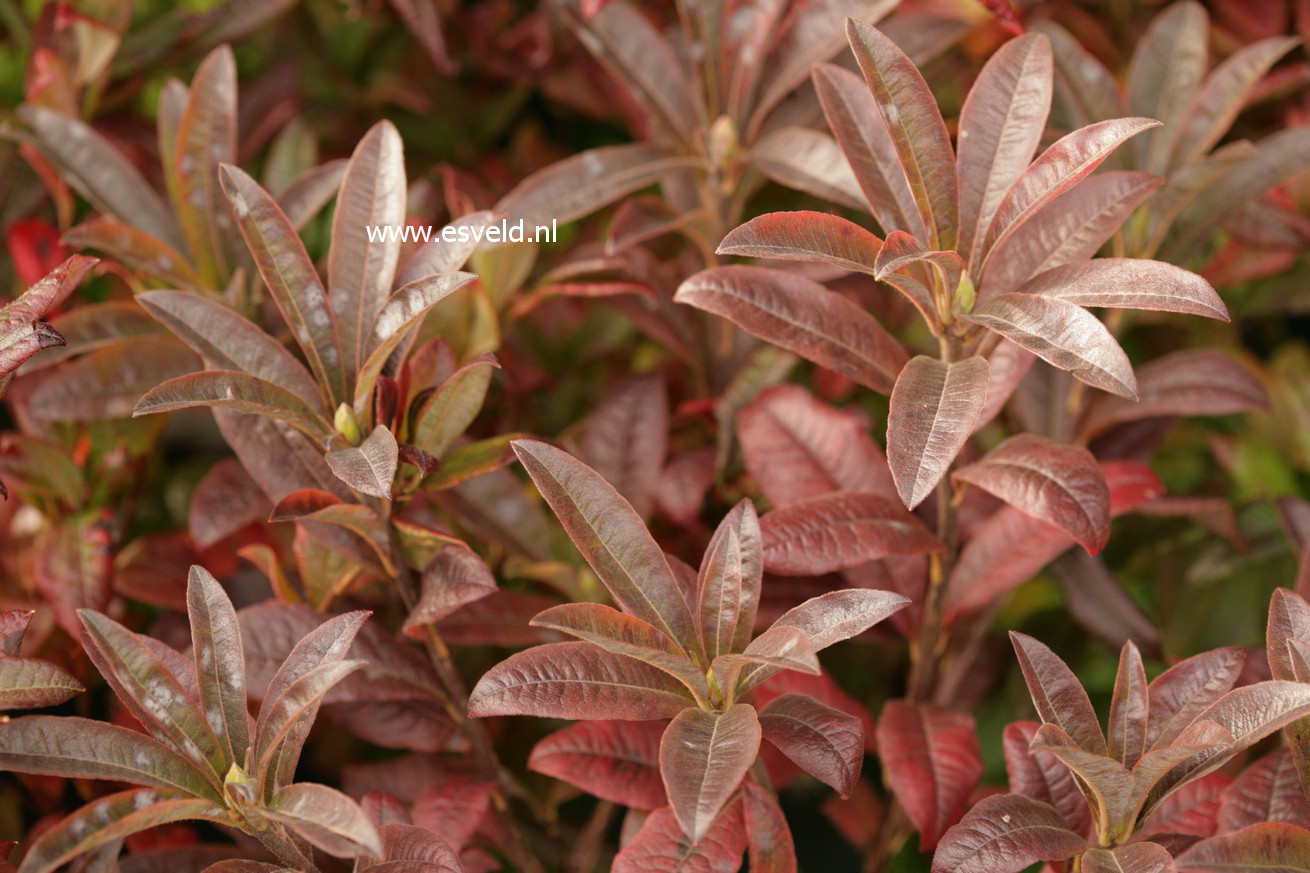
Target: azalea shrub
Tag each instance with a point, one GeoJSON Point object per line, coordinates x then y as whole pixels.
{"type": "Point", "coordinates": [893, 459]}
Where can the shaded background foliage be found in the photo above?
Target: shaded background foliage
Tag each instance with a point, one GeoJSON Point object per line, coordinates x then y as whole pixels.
{"type": "Point", "coordinates": [108, 512]}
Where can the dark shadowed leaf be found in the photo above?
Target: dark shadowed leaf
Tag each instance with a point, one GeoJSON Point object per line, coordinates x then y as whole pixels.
{"type": "Point", "coordinates": [224, 501]}
{"type": "Point", "coordinates": [454, 577]}
{"type": "Point", "coordinates": [108, 382]}
{"type": "Point", "coordinates": [703, 757]}
{"type": "Point", "coordinates": [1188, 382]}
{"type": "Point", "coordinates": [933, 762]}
{"type": "Point", "coordinates": [1058, 484]}
{"type": "Point", "coordinates": [206, 137]}
{"type": "Point", "coordinates": [1038, 774]}
{"type": "Point", "coordinates": [1005, 834]}
{"type": "Point", "coordinates": [616, 761]}
{"type": "Point", "coordinates": [770, 846]}
{"type": "Point", "coordinates": [809, 161]}
{"type": "Point", "coordinates": [803, 317]}
{"type": "Point", "coordinates": [626, 438]}
{"type": "Point", "coordinates": [934, 408]}
{"type": "Point", "coordinates": [797, 447]}
{"type": "Point", "coordinates": [1167, 67]}
{"type": "Point", "coordinates": [577, 680]}
{"type": "Point", "coordinates": [839, 531]}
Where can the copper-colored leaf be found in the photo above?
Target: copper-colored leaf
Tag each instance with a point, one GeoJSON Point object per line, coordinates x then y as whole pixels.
{"type": "Point", "coordinates": [703, 757]}
{"type": "Point", "coordinates": [839, 531]}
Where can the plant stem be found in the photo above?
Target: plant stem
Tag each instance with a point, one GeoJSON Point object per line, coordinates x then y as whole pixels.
{"type": "Point", "coordinates": [456, 704]}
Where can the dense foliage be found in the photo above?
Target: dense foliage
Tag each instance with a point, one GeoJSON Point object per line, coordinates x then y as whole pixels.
{"type": "Point", "coordinates": [895, 365]}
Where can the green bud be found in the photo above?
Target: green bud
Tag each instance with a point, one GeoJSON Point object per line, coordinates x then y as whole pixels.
{"type": "Point", "coordinates": [346, 425]}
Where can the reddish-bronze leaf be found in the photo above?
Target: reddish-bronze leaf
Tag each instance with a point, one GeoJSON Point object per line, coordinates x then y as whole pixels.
{"type": "Point", "coordinates": [1129, 283]}
{"type": "Point", "coordinates": [934, 407]}
{"type": "Point", "coordinates": [1036, 773]}
{"type": "Point", "coordinates": [1268, 790]}
{"type": "Point", "coordinates": [660, 846]}
{"type": "Point", "coordinates": [1189, 382]}
{"type": "Point", "coordinates": [1057, 693]}
{"type": "Point", "coordinates": [840, 615]}
{"type": "Point", "coordinates": [703, 757]}
{"type": "Point", "coordinates": [370, 467]}
{"type": "Point", "coordinates": [932, 760]}
{"type": "Point", "coordinates": [796, 447]}
{"type": "Point", "coordinates": [1059, 484]}
{"type": "Point", "coordinates": [455, 576]}
{"type": "Point", "coordinates": [577, 680]}
{"type": "Point", "coordinates": [734, 630]}
{"type": "Point", "coordinates": [1273, 846]}
{"type": "Point", "coordinates": [1128, 709]}
{"type": "Point", "coordinates": [627, 436]}
{"type": "Point", "coordinates": [825, 742]}
{"type": "Point", "coordinates": [1178, 695]}
{"type": "Point", "coordinates": [1134, 858]}
{"type": "Point", "coordinates": [839, 531]}
{"type": "Point", "coordinates": [803, 317]}
{"type": "Point", "coordinates": [616, 761]}
{"type": "Point", "coordinates": [1006, 833]}
{"type": "Point", "coordinates": [769, 843]}
{"type": "Point", "coordinates": [805, 236]}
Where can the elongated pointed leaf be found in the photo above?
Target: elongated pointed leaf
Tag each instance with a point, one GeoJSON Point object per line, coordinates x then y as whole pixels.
{"type": "Point", "coordinates": [1006, 834]}
{"type": "Point", "coordinates": [150, 690]}
{"type": "Point", "coordinates": [627, 436]}
{"type": "Point", "coordinates": [1063, 334]}
{"type": "Point", "coordinates": [360, 268]}
{"type": "Point", "coordinates": [910, 112]}
{"type": "Point", "coordinates": [803, 317]}
{"type": "Point", "coordinates": [825, 742]}
{"type": "Point", "coordinates": [220, 662]}
{"type": "Point", "coordinates": [306, 195]}
{"type": "Point", "coordinates": [718, 610]}
{"type": "Point", "coordinates": [1178, 695]}
{"type": "Point", "coordinates": [703, 757]}
{"type": "Point", "coordinates": [624, 635]}
{"type": "Point", "coordinates": [805, 236]}
{"type": "Point", "coordinates": [797, 447]}
{"type": "Point", "coordinates": [934, 408]}
{"type": "Point", "coordinates": [21, 336]}
{"type": "Point", "coordinates": [78, 748]}
{"type": "Point", "coordinates": [111, 818]}
{"type": "Point", "coordinates": [1252, 712]}
{"type": "Point", "coordinates": [1000, 125]}
{"type": "Point", "coordinates": [864, 139]}
{"type": "Point", "coordinates": [840, 615]}
{"type": "Point", "coordinates": [100, 172]}
{"type": "Point", "coordinates": [933, 762]}
{"type": "Point", "coordinates": [807, 160]}
{"type": "Point", "coordinates": [1188, 382]}
{"type": "Point", "coordinates": [1128, 709]}
{"type": "Point", "coordinates": [839, 531]}
{"type": "Point", "coordinates": [579, 185]}
{"type": "Point", "coordinates": [239, 392]}
{"type": "Point", "coordinates": [206, 137]}
{"type": "Point", "coordinates": [281, 715]}
{"type": "Point", "coordinates": [443, 256]}
{"type": "Point", "coordinates": [1071, 227]}
{"type": "Point", "coordinates": [1223, 95]}
{"type": "Point", "coordinates": [1057, 693]}
{"type": "Point", "coordinates": [107, 382]}
{"type": "Point", "coordinates": [1271, 846]}
{"type": "Point", "coordinates": [226, 341]}
{"type": "Point", "coordinates": [361, 521]}
{"type": "Point", "coordinates": [578, 681]}
{"type": "Point", "coordinates": [901, 254]}
{"type": "Point", "coordinates": [289, 276]}
{"type": "Point", "coordinates": [453, 406]}
{"type": "Point", "coordinates": [398, 315]}
{"type": "Point", "coordinates": [612, 537]}
{"type": "Point", "coordinates": [1166, 71]}
{"type": "Point", "coordinates": [1134, 858]}
{"type": "Point", "coordinates": [742, 522]}
{"type": "Point", "coordinates": [369, 467]}
{"type": "Point", "coordinates": [326, 818]}
{"type": "Point", "coordinates": [615, 761]}
{"type": "Point", "coordinates": [1059, 168]}
{"type": "Point", "coordinates": [1129, 283]}
{"type": "Point", "coordinates": [1058, 484]}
